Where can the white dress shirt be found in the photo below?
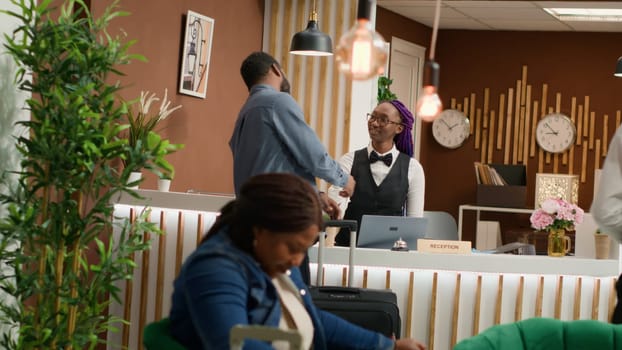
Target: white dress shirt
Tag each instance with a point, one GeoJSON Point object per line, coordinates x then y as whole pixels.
{"type": "Point", "coordinates": [607, 205]}
{"type": "Point", "coordinates": [379, 171]}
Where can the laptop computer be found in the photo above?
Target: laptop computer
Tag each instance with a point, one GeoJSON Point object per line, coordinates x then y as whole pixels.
{"type": "Point", "coordinates": [380, 231]}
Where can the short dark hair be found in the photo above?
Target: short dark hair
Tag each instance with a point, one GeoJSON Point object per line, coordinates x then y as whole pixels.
{"type": "Point", "coordinates": [255, 67]}
{"type": "Point", "coordinates": [278, 202]}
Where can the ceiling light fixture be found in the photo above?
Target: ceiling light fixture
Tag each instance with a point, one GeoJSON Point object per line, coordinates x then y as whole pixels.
{"type": "Point", "coordinates": [361, 53]}
{"type": "Point", "coordinates": [618, 72]}
{"type": "Point", "coordinates": [429, 104]}
{"type": "Point", "coordinates": [311, 41]}
{"type": "Point", "coordinates": [585, 14]}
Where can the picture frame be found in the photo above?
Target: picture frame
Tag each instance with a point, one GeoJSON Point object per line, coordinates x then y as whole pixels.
{"type": "Point", "coordinates": [196, 54]}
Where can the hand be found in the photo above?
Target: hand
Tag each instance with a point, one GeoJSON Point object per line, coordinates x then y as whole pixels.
{"type": "Point", "coordinates": [409, 344]}
{"type": "Point", "coordinates": [348, 189]}
{"type": "Point", "coordinates": [330, 206]}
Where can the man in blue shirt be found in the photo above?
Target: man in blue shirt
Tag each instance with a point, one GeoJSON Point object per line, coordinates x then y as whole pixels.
{"type": "Point", "coordinates": [271, 134]}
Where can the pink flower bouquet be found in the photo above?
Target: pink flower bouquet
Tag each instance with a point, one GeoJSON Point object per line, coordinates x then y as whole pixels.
{"type": "Point", "coordinates": [555, 213]}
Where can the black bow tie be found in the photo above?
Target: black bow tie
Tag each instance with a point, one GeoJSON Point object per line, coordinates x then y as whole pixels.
{"type": "Point", "coordinates": [386, 159]}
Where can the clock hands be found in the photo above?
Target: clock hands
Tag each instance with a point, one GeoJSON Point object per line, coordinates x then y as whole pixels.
{"type": "Point", "coordinates": [553, 132]}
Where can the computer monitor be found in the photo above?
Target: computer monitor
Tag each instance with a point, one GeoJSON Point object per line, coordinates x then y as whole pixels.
{"type": "Point", "coordinates": [380, 231]}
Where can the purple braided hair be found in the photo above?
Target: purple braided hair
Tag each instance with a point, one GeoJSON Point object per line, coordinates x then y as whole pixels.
{"type": "Point", "coordinates": [404, 140]}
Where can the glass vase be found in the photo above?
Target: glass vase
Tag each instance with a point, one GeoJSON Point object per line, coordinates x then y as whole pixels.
{"type": "Point", "coordinates": [558, 243]}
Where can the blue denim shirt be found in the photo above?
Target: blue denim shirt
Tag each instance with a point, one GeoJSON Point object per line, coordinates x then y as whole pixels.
{"type": "Point", "coordinates": [271, 136]}
{"type": "Point", "coordinates": [220, 286]}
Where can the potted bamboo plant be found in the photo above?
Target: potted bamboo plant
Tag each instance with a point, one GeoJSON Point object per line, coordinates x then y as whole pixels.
{"type": "Point", "coordinates": [62, 263]}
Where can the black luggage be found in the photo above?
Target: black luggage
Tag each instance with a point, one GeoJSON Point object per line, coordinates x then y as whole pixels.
{"type": "Point", "coordinates": [374, 309]}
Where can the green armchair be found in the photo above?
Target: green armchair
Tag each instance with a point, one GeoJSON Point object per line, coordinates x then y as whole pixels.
{"type": "Point", "coordinates": [157, 336]}
{"type": "Point", "coordinates": [546, 333]}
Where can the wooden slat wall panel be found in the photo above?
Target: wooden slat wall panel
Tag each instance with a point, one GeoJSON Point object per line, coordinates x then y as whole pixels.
{"type": "Point", "coordinates": [322, 92]}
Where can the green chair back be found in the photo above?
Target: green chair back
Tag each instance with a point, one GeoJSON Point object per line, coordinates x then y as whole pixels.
{"type": "Point", "coordinates": [157, 336]}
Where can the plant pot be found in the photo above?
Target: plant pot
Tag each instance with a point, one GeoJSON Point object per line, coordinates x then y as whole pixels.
{"type": "Point", "coordinates": [602, 243]}
{"type": "Point", "coordinates": [134, 176]}
{"type": "Point", "coordinates": [164, 185]}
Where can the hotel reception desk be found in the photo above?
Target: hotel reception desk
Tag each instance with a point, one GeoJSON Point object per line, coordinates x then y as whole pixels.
{"type": "Point", "coordinates": [443, 298]}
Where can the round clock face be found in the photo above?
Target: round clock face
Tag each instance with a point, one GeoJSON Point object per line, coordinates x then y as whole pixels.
{"type": "Point", "coordinates": [555, 133]}
{"type": "Point", "coordinates": [451, 128]}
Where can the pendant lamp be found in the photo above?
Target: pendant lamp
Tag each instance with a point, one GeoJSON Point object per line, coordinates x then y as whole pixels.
{"type": "Point", "coordinates": [618, 72]}
{"type": "Point", "coordinates": [311, 41]}
{"type": "Point", "coordinates": [361, 53]}
{"type": "Point", "coordinates": [429, 104]}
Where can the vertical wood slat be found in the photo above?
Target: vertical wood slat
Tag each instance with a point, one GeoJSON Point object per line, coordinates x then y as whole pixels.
{"type": "Point", "coordinates": [274, 15]}
{"type": "Point", "coordinates": [527, 135]}
{"type": "Point", "coordinates": [200, 228]}
{"type": "Point", "coordinates": [456, 311]}
{"type": "Point", "coordinates": [467, 112]}
{"type": "Point", "coordinates": [516, 122]}
{"type": "Point", "coordinates": [298, 60]}
{"type": "Point", "coordinates": [573, 107]}
{"type": "Point", "coordinates": [478, 129]}
{"type": "Point", "coordinates": [411, 300]}
{"type": "Point", "coordinates": [543, 100]}
{"type": "Point", "coordinates": [344, 277]}
{"type": "Point", "coordinates": [478, 304]}
{"type": "Point", "coordinates": [472, 106]}
{"type": "Point", "coordinates": [336, 123]}
{"type": "Point", "coordinates": [452, 103]}
{"type": "Point", "coordinates": [592, 127]}
{"type": "Point", "coordinates": [491, 138]}
{"type": "Point", "coordinates": [579, 125]}
{"type": "Point", "coordinates": [539, 297]}
{"type": "Point", "coordinates": [584, 163]}
{"type": "Point", "coordinates": [160, 268]}
{"type": "Point", "coordinates": [387, 280]}
{"type": "Point", "coordinates": [323, 81]}
{"type": "Point", "coordinates": [499, 303]}
{"type": "Point", "coordinates": [287, 16]}
{"type": "Point", "coordinates": [508, 126]}
{"type": "Point", "coordinates": [532, 146]}
{"type": "Point", "coordinates": [518, 309]}
{"type": "Point", "coordinates": [365, 277]}
{"type": "Point", "coordinates": [501, 117]}
{"type": "Point", "coordinates": [595, 299]}
{"type": "Point", "coordinates": [576, 312]}
{"type": "Point", "coordinates": [586, 114]}
{"type": "Point", "coordinates": [540, 160]}
{"type": "Point", "coordinates": [179, 248]}
{"type": "Point", "coordinates": [618, 117]}
{"type": "Point", "coordinates": [432, 320]}
{"type": "Point", "coordinates": [127, 304]}
{"type": "Point", "coordinates": [144, 293]}
{"type": "Point", "coordinates": [486, 105]}
{"type": "Point", "coordinates": [558, 297]}
{"type": "Point", "coordinates": [597, 155]}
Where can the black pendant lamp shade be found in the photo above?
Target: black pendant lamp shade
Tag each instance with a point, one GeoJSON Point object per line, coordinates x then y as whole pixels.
{"type": "Point", "coordinates": [618, 72]}
{"type": "Point", "coordinates": [311, 41]}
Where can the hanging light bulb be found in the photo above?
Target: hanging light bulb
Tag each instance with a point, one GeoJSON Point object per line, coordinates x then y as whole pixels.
{"type": "Point", "coordinates": [429, 104]}
{"type": "Point", "coordinates": [361, 53]}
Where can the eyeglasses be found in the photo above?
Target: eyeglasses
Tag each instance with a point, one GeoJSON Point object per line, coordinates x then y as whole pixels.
{"type": "Point", "coordinates": [382, 121]}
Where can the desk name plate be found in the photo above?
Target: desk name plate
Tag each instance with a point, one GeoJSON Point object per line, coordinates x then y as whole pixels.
{"type": "Point", "coordinates": [443, 246]}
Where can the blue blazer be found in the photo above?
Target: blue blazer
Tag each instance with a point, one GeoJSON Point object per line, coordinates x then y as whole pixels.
{"type": "Point", "coordinates": [220, 286]}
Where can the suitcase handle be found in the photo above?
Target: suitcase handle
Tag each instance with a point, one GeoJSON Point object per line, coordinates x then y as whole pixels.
{"type": "Point", "coordinates": [339, 290]}
{"type": "Point", "coordinates": [351, 225]}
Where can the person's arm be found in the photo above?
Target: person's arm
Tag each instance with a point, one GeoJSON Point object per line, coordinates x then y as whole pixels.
{"type": "Point", "coordinates": [607, 205]}
{"type": "Point", "coordinates": [416, 189]}
{"type": "Point", "coordinates": [333, 191]}
{"type": "Point", "coordinates": [304, 145]}
{"type": "Point", "coordinates": [216, 293]}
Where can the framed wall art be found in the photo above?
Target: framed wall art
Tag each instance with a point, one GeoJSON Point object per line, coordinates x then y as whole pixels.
{"type": "Point", "coordinates": [196, 55]}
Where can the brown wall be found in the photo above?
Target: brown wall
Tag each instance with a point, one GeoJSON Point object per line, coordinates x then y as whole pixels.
{"type": "Point", "coordinates": [573, 64]}
{"type": "Point", "coordinates": [203, 125]}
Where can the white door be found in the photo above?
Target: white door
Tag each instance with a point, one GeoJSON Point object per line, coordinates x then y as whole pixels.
{"type": "Point", "coordinates": [405, 67]}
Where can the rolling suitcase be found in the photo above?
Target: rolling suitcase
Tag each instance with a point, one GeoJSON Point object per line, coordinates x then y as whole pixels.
{"type": "Point", "coordinates": [373, 309]}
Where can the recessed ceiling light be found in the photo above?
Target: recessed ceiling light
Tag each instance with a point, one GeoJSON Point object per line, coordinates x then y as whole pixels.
{"type": "Point", "coordinates": [586, 15]}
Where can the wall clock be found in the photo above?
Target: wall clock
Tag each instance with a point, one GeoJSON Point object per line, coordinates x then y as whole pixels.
{"type": "Point", "coordinates": [555, 133]}
{"type": "Point", "coordinates": [451, 128]}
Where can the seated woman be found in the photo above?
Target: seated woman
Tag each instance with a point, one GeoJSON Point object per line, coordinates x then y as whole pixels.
{"type": "Point", "coordinates": [245, 271]}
